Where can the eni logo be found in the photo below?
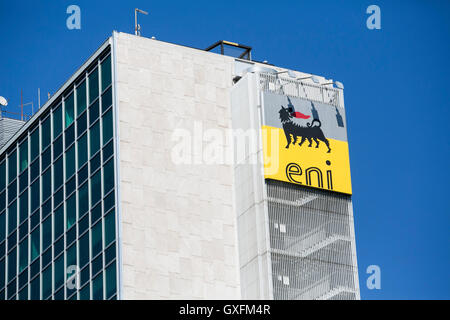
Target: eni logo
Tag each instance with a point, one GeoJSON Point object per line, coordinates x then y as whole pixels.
{"type": "Point", "coordinates": [313, 175]}
{"type": "Point", "coordinates": [312, 131]}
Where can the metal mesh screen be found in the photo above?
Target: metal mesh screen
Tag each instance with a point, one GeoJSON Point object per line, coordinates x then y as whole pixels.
{"type": "Point", "coordinates": [311, 243]}
{"type": "Point", "coordinates": [295, 88]}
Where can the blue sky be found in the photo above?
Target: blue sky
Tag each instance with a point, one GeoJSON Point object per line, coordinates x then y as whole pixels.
{"type": "Point", "coordinates": [396, 94]}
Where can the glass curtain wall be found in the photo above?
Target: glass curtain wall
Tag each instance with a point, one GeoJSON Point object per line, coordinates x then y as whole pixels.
{"type": "Point", "coordinates": [57, 198]}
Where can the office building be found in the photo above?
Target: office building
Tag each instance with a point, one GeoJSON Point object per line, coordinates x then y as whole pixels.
{"type": "Point", "coordinates": [132, 182]}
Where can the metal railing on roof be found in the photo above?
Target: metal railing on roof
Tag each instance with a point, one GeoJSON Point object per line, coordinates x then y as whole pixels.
{"type": "Point", "coordinates": [15, 115]}
{"type": "Point", "coordinates": [296, 88]}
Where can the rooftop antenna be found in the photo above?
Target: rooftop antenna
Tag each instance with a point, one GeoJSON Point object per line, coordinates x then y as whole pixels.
{"type": "Point", "coordinates": [137, 27]}
{"type": "Point", "coordinates": [3, 101]}
{"type": "Point", "coordinates": [21, 104]}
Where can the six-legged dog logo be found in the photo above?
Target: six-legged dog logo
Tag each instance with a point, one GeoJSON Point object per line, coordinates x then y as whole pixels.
{"type": "Point", "coordinates": [293, 131]}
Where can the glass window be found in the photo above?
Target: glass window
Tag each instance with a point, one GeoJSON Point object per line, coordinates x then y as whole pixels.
{"type": "Point", "coordinates": [70, 186]}
{"type": "Point", "coordinates": [68, 110]}
{"type": "Point", "coordinates": [84, 249]}
{"type": "Point", "coordinates": [97, 287]}
{"type": "Point", "coordinates": [97, 264]}
{"type": "Point", "coordinates": [23, 294]}
{"type": "Point", "coordinates": [59, 271]}
{"type": "Point", "coordinates": [35, 289]}
{"type": "Point", "coordinates": [57, 121]}
{"type": "Point", "coordinates": [106, 72]}
{"type": "Point", "coordinates": [35, 195]}
{"type": "Point", "coordinates": [81, 124]}
{"type": "Point", "coordinates": [46, 133]}
{"type": "Point", "coordinates": [59, 221]}
{"type": "Point", "coordinates": [35, 244]}
{"type": "Point", "coordinates": [71, 257]}
{"type": "Point", "coordinates": [110, 228]}
{"type": "Point", "coordinates": [47, 282]}
{"type": "Point", "coordinates": [12, 264]}
{"type": "Point", "coordinates": [23, 206]}
{"type": "Point", "coordinates": [47, 233]}
{"type": "Point", "coordinates": [95, 162]}
{"type": "Point", "coordinates": [111, 280]}
{"type": "Point", "coordinates": [84, 275]}
{"type": "Point", "coordinates": [2, 200]}
{"type": "Point", "coordinates": [108, 150]}
{"type": "Point", "coordinates": [12, 217]}
{"type": "Point", "coordinates": [2, 227]}
{"type": "Point", "coordinates": [2, 175]}
{"type": "Point", "coordinates": [93, 112]}
{"type": "Point", "coordinates": [34, 219]}
{"type": "Point", "coordinates": [96, 213]}
{"type": "Point", "coordinates": [23, 150]}
{"type": "Point", "coordinates": [106, 99]}
{"type": "Point", "coordinates": [58, 197]}
{"type": "Point", "coordinates": [107, 126]}
{"type": "Point", "coordinates": [23, 181]}
{"type": "Point", "coordinates": [82, 151]}
{"type": "Point", "coordinates": [70, 135]}
{"type": "Point", "coordinates": [57, 148]}
{"type": "Point", "coordinates": [46, 258]}
{"type": "Point", "coordinates": [23, 230]}
{"type": "Point", "coordinates": [85, 293]}
{"type": "Point", "coordinates": [46, 184]}
{"type": "Point", "coordinates": [58, 172]}
{"type": "Point", "coordinates": [34, 144]}
{"type": "Point", "coordinates": [12, 166]}
{"type": "Point", "coordinates": [71, 235]}
{"type": "Point", "coordinates": [93, 85]}
{"type": "Point", "coordinates": [95, 138]}
{"type": "Point", "coordinates": [34, 171]}
{"type": "Point", "coordinates": [23, 278]}
{"type": "Point", "coordinates": [96, 238]}
{"type": "Point", "coordinates": [96, 190]}
{"type": "Point", "coordinates": [83, 174]}
{"type": "Point", "coordinates": [12, 191]}
{"type": "Point", "coordinates": [71, 211]}
{"type": "Point", "coordinates": [12, 290]}
{"type": "Point", "coordinates": [46, 209]}
{"type": "Point", "coordinates": [59, 246]}
{"type": "Point", "coordinates": [109, 201]}
{"type": "Point", "coordinates": [83, 224]}
{"type": "Point", "coordinates": [81, 98]}
{"type": "Point", "coordinates": [83, 199]}
{"type": "Point", "coordinates": [70, 162]}
{"type": "Point", "coordinates": [12, 240]}
{"type": "Point", "coordinates": [110, 253]}
{"type": "Point", "coordinates": [46, 158]}
{"type": "Point", "coordinates": [23, 255]}
{"type": "Point", "coordinates": [2, 272]}
{"type": "Point", "coordinates": [34, 268]}
{"type": "Point", "coordinates": [108, 176]}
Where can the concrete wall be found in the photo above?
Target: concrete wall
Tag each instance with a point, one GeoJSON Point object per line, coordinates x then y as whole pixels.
{"type": "Point", "coordinates": [179, 236]}
{"type": "Point", "coordinates": [251, 208]}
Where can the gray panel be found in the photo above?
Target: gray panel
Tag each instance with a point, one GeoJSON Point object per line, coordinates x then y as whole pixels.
{"type": "Point", "coordinates": [332, 118]}
{"type": "Point", "coordinates": [8, 127]}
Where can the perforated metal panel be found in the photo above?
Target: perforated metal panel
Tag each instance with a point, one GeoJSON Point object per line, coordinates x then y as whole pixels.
{"type": "Point", "coordinates": [310, 243]}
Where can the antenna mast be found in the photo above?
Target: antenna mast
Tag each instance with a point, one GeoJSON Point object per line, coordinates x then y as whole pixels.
{"type": "Point", "coordinates": [137, 27]}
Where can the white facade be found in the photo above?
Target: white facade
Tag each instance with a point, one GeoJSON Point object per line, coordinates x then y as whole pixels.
{"type": "Point", "coordinates": [179, 233]}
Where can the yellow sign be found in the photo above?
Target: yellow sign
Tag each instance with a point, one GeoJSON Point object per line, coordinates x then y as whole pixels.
{"type": "Point", "coordinates": [308, 166]}
{"type": "Point", "coordinates": [304, 150]}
